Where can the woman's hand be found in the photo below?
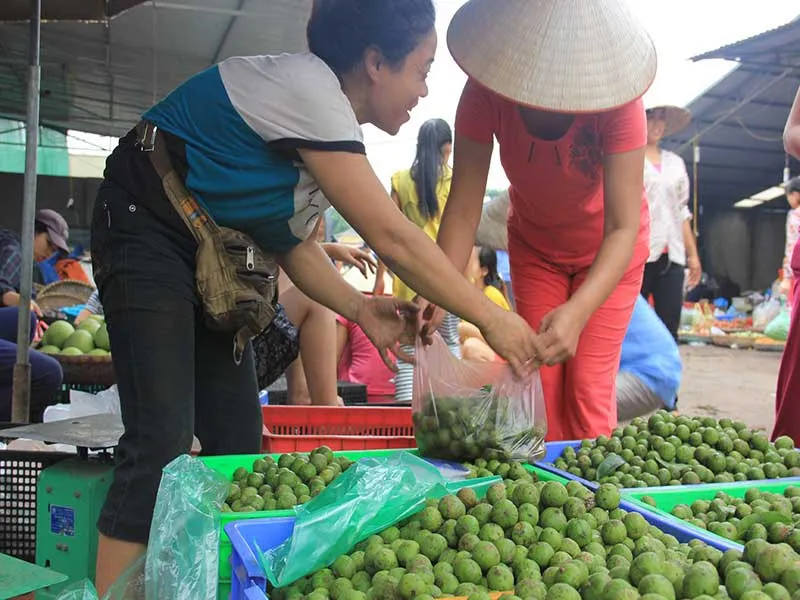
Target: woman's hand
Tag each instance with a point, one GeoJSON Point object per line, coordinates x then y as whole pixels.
{"type": "Point", "coordinates": [41, 327]}
{"type": "Point", "coordinates": [431, 317]}
{"type": "Point", "coordinates": [559, 333]}
{"type": "Point", "coordinates": [510, 336]}
{"type": "Point", "coordinates": [361, 260]}
{"type": "Point", "coordinates": [388, 322]}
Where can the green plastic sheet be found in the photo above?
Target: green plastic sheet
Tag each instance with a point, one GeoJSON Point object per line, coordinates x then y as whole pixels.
{"type": "Point", "coordinates": [370, 496]}
{"type": "Point", "coordinates": [778, 329]}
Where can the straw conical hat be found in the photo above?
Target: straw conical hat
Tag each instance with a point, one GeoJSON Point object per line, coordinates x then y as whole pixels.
{"type": "Point", "coordinates": [675, 118]}
{"type": "Point", "coordinates": [570, 56]}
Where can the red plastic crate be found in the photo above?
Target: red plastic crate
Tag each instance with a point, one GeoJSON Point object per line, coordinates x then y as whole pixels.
{"type": "Point", "coordinates": [303, 428]}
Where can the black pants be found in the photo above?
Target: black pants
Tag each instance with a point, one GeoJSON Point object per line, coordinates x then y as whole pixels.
{"type": "Point", "coordinates": [175, 377]}
{"type": "Point", "coordinates": [664, 280]}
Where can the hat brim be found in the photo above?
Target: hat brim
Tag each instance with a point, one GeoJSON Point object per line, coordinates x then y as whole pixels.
{"type": "Point", "coordinates": [57, 240]}
{"type": "Point", "coordinates": [556, 55]}
{"type": "Point", "coordinates": [676, 118]}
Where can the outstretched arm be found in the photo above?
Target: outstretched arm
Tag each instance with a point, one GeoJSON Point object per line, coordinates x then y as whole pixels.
{"type": "Point", "coordinates": [791, 135]}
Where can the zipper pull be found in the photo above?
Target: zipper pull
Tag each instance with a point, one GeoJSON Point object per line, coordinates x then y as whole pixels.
{"type": "Point", "coordinates": [251, 259]}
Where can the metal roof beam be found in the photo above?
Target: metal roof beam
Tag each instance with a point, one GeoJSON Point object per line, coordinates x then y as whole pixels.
{"type": "Point", "coordinates": [722, 97]}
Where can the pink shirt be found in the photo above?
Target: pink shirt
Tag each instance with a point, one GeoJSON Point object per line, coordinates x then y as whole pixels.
{"type": "Point", "coordinates": [556, 186]}
{"type": "Point", "coordinates": [792, 234]}
{"type": "Point", "coordinates": [361, 363]}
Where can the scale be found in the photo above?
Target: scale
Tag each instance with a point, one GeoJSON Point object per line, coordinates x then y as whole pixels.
{"type": "Point", "coordinates": [70, 494]}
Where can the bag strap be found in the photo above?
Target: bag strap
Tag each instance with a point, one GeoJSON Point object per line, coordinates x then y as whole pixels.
{"type": "Point", "coordinates": [199, 222]}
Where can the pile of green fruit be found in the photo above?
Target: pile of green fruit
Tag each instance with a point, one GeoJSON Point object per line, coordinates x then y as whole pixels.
{"type": "Point", "coordinates": [675, 450]}
{"type": "Point", "coordinates": [510, 470]}
{"type": "Point", "coordinates": [759, 515]}
{"type": "Point", "coordinates": [487, 425]}
{"type": "Point", "coordinates": [90, 338]}
{"type": "Point", "coordinates": [294, 479]}
{"type": "Point", "coordinates": [545, 541]}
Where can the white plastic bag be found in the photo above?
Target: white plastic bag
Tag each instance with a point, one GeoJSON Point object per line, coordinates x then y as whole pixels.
{"type": "Point", "coordinates": [83, 404]}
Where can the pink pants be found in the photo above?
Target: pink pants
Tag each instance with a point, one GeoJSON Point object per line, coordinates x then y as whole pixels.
{"type": "Point", "coordinates": [580, 395]}
{"type": "Point", "coordinates": [787, 398]}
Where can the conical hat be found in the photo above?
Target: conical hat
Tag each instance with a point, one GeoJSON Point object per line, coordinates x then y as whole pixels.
{"type": "Point", "coordinates": [675, 118]}
{"type": "Point", "coordinates": [571, 56]}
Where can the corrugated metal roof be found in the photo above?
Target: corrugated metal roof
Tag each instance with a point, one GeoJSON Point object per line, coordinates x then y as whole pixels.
{"type": "Point", "coordinates": [739, 120]}
{"type": "Point", "coordinates": [775, 47]}
{"type": "Point", "coordinates": [99, 76]}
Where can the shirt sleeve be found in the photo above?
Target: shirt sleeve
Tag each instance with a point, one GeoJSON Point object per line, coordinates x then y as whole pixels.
{"type": "Point", "coordinates": [474, 117]}
{"type": "Point", "coordinates": [93, 304]}
{"type": "Point", "coordinates": [10, 263]}
{"type": "Point", "coordinates": [292, 101]}
{"type": "Point", "coordinates": [625, 128]}
{"type": "Point", "coordinates": [682, 188]}
{"type": "Point", "coordinates": [792, 234]}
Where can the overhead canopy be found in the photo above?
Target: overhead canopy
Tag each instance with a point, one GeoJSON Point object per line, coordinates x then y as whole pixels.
{"type": "Point", "coordinates": [99, 73]}
{"type": "Point", "coordinates": [740, 120]}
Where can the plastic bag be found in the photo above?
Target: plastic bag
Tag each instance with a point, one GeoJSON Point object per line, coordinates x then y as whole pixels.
{"type": "Point", "coordinates": [765, 313]}
{"type": "Point", "coordinates": [130, 586]}
{"type": "Point", "coordinates": [182, 560]}
{"type": "Point", "coordinates": [83, 404]}
{"type": "Point", "coordinates": [465, 410]}
{"type": "Point", "coordinates": [370, 496]}
{"type": "Point", "coordinates": [778, 328]}
{"type": "Point", "coordinates": [182, 552]}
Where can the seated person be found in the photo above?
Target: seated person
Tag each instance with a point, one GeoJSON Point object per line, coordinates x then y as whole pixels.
{"type": "Point", "coordinates": [650, 367]}
{"type": "Point", "coordinates": [482, 271]}
{"type": "Point", "coordinates": [46, 374]}
{"type": "Point", "coordinates": [93, 307]}
{"type": "Point", "coordinates": [360, 362]}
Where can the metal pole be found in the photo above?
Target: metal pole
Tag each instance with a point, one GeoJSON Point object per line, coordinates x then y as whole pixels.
{"type": "Point", "coordinates": [20, 406]}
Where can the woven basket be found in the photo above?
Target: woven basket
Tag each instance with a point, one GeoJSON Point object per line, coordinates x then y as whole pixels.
{"type": "Point", "coordinates": [87, 370]}
{"type": "Point", "coordinates": [71, 287]}
{"type": "Point", "coordinates": [733, 341]}
{"type": "Point", "coordinates": [54, 301]}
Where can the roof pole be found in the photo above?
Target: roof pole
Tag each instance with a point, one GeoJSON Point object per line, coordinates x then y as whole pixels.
{"type": "Point", "coordinates": [20, 404]}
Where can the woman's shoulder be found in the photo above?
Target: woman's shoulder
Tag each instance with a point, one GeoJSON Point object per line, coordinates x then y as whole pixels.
{"type": "Point", "coordinates": [496, 296]}
{"type": "Point", "coordinates": [287, 69]}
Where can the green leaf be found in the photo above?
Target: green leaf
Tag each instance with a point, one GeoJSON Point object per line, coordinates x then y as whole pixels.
{"type": "Point", "coordinates": [609, 465]}
{"type": "Point", "coordinates": [682, 468]}
{"type": "Point", "coordinates": [765, 518]}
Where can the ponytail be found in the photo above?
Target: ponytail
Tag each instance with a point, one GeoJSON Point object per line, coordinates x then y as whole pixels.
{"type": "Point", "coordinates": [428, 165]}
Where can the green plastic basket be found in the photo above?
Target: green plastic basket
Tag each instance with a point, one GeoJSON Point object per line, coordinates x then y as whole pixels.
{"type": "Point", "coordinates": [226, 465]}
{"type": "Point", "coordinates": [667, 498]}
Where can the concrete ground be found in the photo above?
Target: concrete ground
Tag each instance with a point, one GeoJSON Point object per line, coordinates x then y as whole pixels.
{"type": "Point", "coordinates": [720, 382]}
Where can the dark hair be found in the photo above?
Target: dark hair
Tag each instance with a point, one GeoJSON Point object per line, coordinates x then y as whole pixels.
{"type": "Point", "coordinates": [487, 258]}
{"type": "Point", "coordinates": [429, 163]}
{"type": "Point", "coordinates": [39, 227]}
{"type": "Point", "coordinates": [340, 31]}
{"type": "Point", "coordinates": [793, 185]}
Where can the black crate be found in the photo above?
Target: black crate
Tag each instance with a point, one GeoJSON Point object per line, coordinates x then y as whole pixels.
{"type": "Point", "coordinates": [19, 474]}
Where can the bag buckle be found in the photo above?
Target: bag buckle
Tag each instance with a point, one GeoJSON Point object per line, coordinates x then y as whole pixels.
{"type": "Point", "coordinates": [147, 139]}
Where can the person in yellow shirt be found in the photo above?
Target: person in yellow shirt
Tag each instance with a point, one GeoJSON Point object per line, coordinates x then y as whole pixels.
{"type": "Point", "coordinates": [482, 271]}
{"type": "Point", "coordinates": [420, 193]}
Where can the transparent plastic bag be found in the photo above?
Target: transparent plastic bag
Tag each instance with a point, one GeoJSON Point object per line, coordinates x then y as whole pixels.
{"type": "Point", "coordinates": [373, 494]}
{"type": "Point", "coordinates": [765, 313]}
{"type": "Point", "coordinates": [183, 550]}
{"type": "Point", "coordinates": [182, 557]}
{"type": "Point", "coordinates": [466, 410]}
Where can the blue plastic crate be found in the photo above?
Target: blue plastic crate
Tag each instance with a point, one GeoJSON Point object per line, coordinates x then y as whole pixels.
{"type": "Point", "coordinates": [552, 451]}
{"type": "Point", "coordinates": [248, 577]}
{"type": "Point", "coordinates": [677, 528]}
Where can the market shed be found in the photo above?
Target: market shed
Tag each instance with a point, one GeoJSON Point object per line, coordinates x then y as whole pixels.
{"type": "Point", "coordinates": [738, 128]}
{"type": "Point", "coordinates": [105, 61]}
{"type": "Point", "coordinates": [738, 122]}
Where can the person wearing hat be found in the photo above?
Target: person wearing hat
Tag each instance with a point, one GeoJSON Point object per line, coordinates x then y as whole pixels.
{"type": "Point", "coordinates": [673, 247]}
{"type": "Point", "coordinates": [50, 235]}
{"type": "Point", "coordinates": [571, 128]}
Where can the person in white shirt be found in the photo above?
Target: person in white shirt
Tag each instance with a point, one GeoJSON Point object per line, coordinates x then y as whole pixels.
{"type": "Point", "coordinates": [673, 247]}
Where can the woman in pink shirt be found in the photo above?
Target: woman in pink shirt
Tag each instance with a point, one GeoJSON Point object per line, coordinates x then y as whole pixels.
{"type": "Point", "coordinates": [360, 362]}
{"type": "Point", "coordinates": [572, 131]}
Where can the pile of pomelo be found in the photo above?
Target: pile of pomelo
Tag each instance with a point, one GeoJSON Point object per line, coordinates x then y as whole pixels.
{"type": "Point", "coordinates": [89, 338]}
